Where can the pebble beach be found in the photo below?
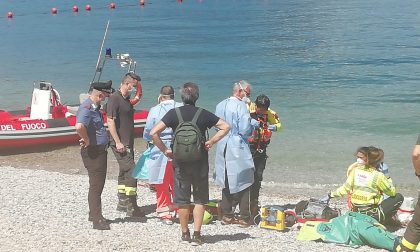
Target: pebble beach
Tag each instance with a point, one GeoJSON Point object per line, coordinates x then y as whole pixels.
{"type": "Point", "coordinates": [47, 211]}
{"type": "Point", "coordinates": [44, 208]}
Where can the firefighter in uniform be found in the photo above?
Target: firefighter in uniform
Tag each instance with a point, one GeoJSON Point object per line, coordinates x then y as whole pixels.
{"type": "Point", "coordinates": [412, 234]}
{"type": "Point", "coordinates": [120, 119]}
{"type": "Point", "coordinates": [258, 142]}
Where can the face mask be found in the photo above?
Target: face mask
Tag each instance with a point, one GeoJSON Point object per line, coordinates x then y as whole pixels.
{"type": "Point", "coordinates": [360, 161]}
{"type": "Point", "coordinates": [246, 99]}
{"type": "Point", "coordinates": [158, 99]}
{"type": "Point", "coordinates": [131, 90]}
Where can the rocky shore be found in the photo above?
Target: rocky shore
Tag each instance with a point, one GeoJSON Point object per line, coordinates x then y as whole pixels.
{"type": "Point", "coordinates": [44, 208]}
{"type": "Point", "coordinates": [47, 211]}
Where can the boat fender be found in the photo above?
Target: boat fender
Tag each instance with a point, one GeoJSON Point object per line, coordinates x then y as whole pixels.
{"type": "Point", "coordinates": [138, 95]}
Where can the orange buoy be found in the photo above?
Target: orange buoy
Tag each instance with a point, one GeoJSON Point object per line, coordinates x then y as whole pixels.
{"type": "Point", "coordinates": [112, 5]}
{"type": "Point", "coordinates": [88, 7]}
{"type": "Point", "coordinates": [75, 8]}
{"type": "Point", "coordinates": [54, 10]}
{"type": "Point", "coordinates": [138, 95]}
{"type": "Point", "coordinates": [141, 2]}
{"type": "Point", "coordinates": [9, 14]}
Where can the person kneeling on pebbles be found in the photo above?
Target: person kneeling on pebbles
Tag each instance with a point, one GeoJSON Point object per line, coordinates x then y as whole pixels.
{"type": "Point", "coordinates": [366, 186]}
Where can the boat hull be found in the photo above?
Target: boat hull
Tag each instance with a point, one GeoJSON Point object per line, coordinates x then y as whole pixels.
{"type": "Point", "coordinates": [20, 133]}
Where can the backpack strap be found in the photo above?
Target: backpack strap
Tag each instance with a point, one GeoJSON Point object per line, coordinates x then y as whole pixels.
{"type": "Point", "coordinates": [178, 114]}
{"type": "Point", "coordinates": [194, 120]}
{"type": "Point", "coordinates": [197, 113]}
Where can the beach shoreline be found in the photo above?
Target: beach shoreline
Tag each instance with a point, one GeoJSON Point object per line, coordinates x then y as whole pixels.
{"type": "Point", "coordinates": [67, 160]}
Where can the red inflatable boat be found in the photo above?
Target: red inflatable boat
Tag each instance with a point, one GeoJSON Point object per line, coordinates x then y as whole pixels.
{"type": "Point", "coordinates": [47, 122]}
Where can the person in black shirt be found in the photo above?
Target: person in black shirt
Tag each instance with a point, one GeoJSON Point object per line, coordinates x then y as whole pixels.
{"type": "Point", "coordinates": [120, 119]}
{"type": "Point", "coordinates": [195, 174]}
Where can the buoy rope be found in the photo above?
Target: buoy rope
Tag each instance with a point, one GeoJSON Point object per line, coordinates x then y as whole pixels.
{"type": "Point", "coordinates": [67, 10]}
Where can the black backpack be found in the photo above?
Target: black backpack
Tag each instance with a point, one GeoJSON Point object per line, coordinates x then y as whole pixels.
{"type": "Point", "coordinates": [188, 141]}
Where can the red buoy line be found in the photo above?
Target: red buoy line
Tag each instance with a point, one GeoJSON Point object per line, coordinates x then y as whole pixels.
{"type": "Point", "coordinates": [75, 9]}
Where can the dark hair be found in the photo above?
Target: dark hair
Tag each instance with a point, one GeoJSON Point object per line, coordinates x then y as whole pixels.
{"type": "Point", "coordinates": [363, 150]}
{"type": "Point", "coordinates": [132, 76]}
{"type": "Point", "coordinates": [168, 91]}
{"type": "Point", "coordinates": [375, 156]}
{"type": "Point", "coordinates": [189, 93]}
{"type": "Point", "coordinates": [262, 101]}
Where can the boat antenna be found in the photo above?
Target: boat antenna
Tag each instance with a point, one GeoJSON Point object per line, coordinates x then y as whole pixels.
{"type": "Point", "coordinates": [98, 67]}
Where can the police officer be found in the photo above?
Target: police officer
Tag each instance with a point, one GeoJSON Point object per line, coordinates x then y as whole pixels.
{"type": "Point", "coordinates": [412, 234]}
{"type": "Point", "coordinates": [93, 142]}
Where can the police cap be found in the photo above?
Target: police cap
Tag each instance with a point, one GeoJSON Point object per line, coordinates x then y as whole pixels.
{"type": "Point", "coordinates": [103, 86]}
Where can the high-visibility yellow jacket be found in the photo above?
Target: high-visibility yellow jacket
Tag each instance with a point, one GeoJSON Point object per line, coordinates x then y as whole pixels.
{"type": "Point", "coordinates": [366, 186]}
{"type": "Point", "coordinates": [272, 116]}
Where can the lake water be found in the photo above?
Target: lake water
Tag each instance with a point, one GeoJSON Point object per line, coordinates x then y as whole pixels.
{"type": "Point", "coordinates": [341, 74]}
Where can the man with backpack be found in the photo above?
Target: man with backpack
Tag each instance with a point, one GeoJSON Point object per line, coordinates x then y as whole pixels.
{"type": "Point", "coordinates": [190, 156]}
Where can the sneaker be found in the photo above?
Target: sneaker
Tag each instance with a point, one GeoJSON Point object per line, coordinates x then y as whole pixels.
{"type": "Point", "coordinates": [101, 224]}
{"type": "Point", "coordinates": [186, 238]}
{"type": "Point", "coordinates": [197, 240]}
{"type": "Point", "coordinates": [227, 220]}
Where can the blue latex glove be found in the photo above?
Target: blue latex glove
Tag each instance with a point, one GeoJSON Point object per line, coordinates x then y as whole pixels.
{"type": "Point", "coordinates": [255, 123]}
{"type": "Point", "coordinates": [272, 127]}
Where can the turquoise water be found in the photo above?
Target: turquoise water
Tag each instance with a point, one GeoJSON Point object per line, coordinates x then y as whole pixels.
{"type": "Point", "coordinates": [340, 74]}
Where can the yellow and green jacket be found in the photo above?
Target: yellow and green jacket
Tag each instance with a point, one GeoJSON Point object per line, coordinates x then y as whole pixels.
{"type": "Point", "coordinates": [366, 186]}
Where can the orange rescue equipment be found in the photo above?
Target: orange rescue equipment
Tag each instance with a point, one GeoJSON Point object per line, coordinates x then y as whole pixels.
{"type": "Point", "coordinates": [138, 95]}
